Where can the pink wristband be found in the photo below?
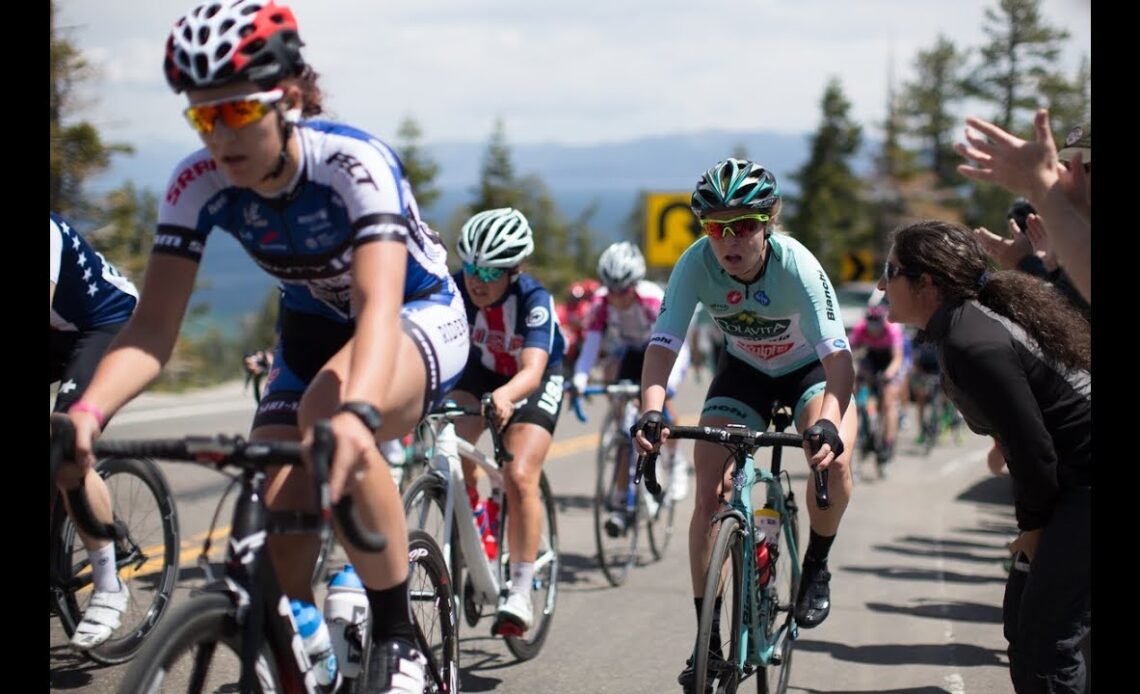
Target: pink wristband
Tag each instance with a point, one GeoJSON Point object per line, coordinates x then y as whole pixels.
{"type": "Point", "coordinates": [94, 411]}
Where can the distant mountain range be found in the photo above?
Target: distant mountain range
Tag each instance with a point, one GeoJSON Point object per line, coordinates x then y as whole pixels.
{"type": "Point", "coordinates": [608, 175]}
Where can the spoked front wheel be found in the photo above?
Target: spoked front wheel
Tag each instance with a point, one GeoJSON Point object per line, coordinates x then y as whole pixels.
{"type": "Point", "coordinates": [544, 585]}
{"type": "Point", "coordinates": [147, 559]}
{"type": "Point", "coordinates": [433, 607]}
{"type": "Point", "coordinates": [425, 503]}
{"type": "Point", "coordinates": [718, 634]}
{"type": "Point", "coordinates": [780, 595]}
{"type": "Point", "coordinates": [615, 525]}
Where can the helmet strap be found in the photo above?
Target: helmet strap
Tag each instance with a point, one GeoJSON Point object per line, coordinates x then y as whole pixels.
{"type": "Point", "coordinates": [282, 158]}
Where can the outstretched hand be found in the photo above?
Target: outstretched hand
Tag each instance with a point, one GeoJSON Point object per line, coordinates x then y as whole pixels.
{"type": "Point", "coordinates": [1026, 168]}
{"type": "Point", "coordinates": [1005, 252]}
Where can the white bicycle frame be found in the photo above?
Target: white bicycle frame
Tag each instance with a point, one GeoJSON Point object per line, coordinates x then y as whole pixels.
{"type": "Point", "coordinates": [446, 461]}
{"type": "Point", "coordinates": [448, 451]}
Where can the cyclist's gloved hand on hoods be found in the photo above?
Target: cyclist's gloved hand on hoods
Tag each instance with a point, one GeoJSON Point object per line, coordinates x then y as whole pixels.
{"type": "Point", "coordinates": [648, 431]}
{"type": "Point", "coordinates": [823, 432]}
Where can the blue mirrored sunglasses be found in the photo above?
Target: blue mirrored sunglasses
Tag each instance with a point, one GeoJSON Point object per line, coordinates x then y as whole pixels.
{"type": "Point", "coordinates": [486, 274]}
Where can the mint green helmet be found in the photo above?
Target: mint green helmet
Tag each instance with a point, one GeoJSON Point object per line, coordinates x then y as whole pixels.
{"type": "Point", "coordinates": [735, 184]}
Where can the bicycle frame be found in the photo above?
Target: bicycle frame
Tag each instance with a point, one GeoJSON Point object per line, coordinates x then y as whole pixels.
{"type": "Point", "coordinates": [446, 462]}
{"type": "Point", "coordinates": [756, 649]}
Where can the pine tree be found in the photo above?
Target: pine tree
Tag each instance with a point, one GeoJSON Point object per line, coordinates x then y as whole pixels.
{"type": "Point", "coordinates": [830, 215]}
{"type": "Point", "coordinates": [77, 152]}
{"type": "Point", "coordinates": [419, 167]}
{"type": "Point", "coordinates": [928, 106]}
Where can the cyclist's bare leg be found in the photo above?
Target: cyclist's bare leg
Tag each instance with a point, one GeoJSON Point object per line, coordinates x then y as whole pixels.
{"type": "Point", "coordinates": [891, 392]}
{"type": "Point", "coordinates": [529, 444]}
{"type": "Point", "coordinates": [826, 523]}
{"type": "Point", "coordinates": [97, 496]}
{"type": "Point", "coordinates": [376, 499]}
{"type": "Point", "coordinates": [290, 488]}
{"type": "Point", "coordinates": [713, 472]}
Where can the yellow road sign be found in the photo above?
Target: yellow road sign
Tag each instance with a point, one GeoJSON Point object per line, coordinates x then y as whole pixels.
{"type": "Point", "coordinates": [858, 266]}
{"type": "Point", "coordinates": [670, 227]}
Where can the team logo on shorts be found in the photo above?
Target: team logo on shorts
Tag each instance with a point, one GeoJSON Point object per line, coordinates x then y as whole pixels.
{"type": "Point", "coordinates": [537, 316]}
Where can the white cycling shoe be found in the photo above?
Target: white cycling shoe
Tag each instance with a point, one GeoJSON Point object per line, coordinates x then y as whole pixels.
{"type": "Point", "coordinates": [102, 618]}
{"type": "Point", "coordinates": [515, 612]}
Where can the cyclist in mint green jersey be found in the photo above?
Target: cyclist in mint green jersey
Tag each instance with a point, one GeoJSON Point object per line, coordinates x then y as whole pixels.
{"type": "Point", "coordinates": [784, 340]}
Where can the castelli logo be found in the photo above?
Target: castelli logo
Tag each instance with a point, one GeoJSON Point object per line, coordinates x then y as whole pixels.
{"type": "Point", "coordinates": [734, 297]}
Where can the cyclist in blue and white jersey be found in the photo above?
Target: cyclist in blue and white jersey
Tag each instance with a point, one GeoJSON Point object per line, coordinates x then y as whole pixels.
{"type": "Point", "coordinates": [89, 304]}
{"type": "Point", "coordinates": [326, 209]}
{"type": "Point", "coordinates": [784, 340]}
{"type": "Point", "coordinates": [516, 354]}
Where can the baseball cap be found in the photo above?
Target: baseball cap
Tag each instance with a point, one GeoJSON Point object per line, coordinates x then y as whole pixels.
{"type": "Point", "coordinates": [1079, 139]}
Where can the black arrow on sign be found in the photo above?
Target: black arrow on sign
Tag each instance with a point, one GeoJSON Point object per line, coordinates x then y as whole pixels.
{"type": "Point", "coordinates": [694, 225]}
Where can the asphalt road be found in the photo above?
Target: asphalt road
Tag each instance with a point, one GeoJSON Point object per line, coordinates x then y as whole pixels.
{"type": "Point", "coordinates": [917, 576]}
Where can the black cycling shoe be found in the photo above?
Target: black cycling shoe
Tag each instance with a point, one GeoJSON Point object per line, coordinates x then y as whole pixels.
{"type": "Point", "coordinates": [814, 601]}
{"type": "Point", "coordinates": [688, 677]}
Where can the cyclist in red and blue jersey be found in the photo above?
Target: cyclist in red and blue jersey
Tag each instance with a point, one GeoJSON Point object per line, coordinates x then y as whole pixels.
{"type": "Point", "coordinates": [89, 304]}
{"type": "Point", "coordinates": [884, 361]}
{"type": "Point", "coordinates": [516, 353]}
{"type": "Point", "coordinates": [327, 210]}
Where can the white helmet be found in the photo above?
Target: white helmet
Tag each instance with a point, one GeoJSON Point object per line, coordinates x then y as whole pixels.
{"type": "Point", "coordinates": [621, 265]}
{"type": "Point", "coordinates": [496, 238]}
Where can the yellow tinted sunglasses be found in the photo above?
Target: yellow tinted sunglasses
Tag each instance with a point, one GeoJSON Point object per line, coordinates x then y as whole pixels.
{"type": "Point", "coordinates": [235, 113]}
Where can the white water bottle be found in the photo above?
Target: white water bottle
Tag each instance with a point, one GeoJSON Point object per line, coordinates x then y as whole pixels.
{"type": "Point", "coordinates": [347, 611]}
{"type": "Point", "coordinates": [315, 635]}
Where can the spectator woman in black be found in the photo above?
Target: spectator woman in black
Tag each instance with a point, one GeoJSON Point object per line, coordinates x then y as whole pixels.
{"type": "Point", "coordinates": [1015, 360]}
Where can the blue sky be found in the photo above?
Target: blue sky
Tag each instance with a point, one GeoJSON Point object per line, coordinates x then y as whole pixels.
{"type": "Point", "coordinates": [578, 72]}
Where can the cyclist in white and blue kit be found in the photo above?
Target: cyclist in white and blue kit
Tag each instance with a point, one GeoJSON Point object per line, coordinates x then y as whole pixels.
{"type": "Point", "coordinates": [516, 354]}
{"type": "Point", "coordinates": [784, 340]}
{"type": "Point", "coordinates": [90, 303]}
{"type": "Point", "coordinates": [372, 331]}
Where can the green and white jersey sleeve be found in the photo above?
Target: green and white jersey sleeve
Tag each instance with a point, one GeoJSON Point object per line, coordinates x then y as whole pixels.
{"type": "Point", "coordinates": [784, 320]}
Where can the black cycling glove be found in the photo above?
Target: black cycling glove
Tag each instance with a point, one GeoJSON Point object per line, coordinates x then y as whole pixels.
{"type": "Point", "coordinates": [649, 424]}
{"type": "Point", "coordinates": [824, 431]}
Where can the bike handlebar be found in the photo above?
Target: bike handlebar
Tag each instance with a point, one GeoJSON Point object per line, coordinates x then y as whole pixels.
{"type": "Point", "coordinates": [735, 437]}
{"type": "Point", "coordinates": [485, 409]}
{"type": "Point", "coordinates": [219, 452]}
{"type": "Point", "coordinates": [621, 388]}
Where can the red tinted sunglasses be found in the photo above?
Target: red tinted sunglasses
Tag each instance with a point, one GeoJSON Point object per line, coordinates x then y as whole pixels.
{"type": "Point", "coordinates": [742, 226]}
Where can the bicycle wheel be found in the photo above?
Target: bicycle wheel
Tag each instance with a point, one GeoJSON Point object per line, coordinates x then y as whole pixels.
{"type": "Point", "coordinates": [147, 559]}
{"type": "Point", "coordinates": [781, 592]}
{"type": "Point", "coordinates": [659, 515]}
{"type": "Point", "coordinates": [184, 654]}
{"type": "Point", "coordinates": [724, 578]}
{"type": "Point", "coordinates": [433, 610]}
{"type": "Point", "coordinates": [616, 549]}
{"type": "Point", "coordinates": [425, 502]}
{"type": "Point", "coordinates": [544, 588]}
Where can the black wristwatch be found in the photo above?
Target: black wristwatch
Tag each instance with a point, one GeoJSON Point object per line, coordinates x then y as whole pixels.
{"type": "Point", "coordinates": [367, 413]}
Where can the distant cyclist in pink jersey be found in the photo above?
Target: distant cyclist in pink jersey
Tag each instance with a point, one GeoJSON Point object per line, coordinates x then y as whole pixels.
{"type": "Point", "coordinates": [883, 361]}
{"type": "Point", "coordinates": [619, 325]}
